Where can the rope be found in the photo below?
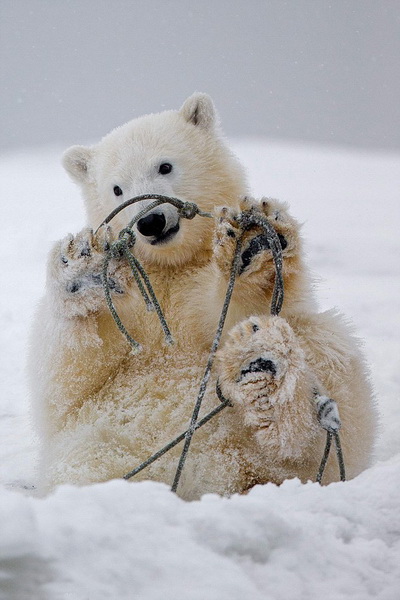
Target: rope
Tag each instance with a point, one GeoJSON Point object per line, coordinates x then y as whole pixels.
{"type": "Point", "coordinates": [339, 455]}
{"type": "Point", "coordinates": [187, 210]}
{"type": "Point", "coordinates": [206, 376]}
{"type": "Point", "coordinates": [152, 304]}
{"type": "Point", "coordinates": [121, 249]}
{"type": "Point", "coordinates": [247, 220]}
{"type": "Point", "coordinates": [136, 347]}
{"type": "Point", "coordinates": [208, 417]}
{"type": "Point", "coordinates": [340, 459]}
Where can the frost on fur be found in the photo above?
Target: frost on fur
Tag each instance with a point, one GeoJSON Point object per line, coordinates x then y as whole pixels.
{"type": "Point", "coordinates": [101, 411]}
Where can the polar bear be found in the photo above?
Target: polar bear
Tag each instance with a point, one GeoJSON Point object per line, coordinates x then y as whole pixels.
{"type": "Point", "coordinates": [101, 409]}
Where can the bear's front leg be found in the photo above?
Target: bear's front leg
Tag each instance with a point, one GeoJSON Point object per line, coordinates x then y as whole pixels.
{"type": "Point", "coordinates": [75, 345]}
{"type": "Point", "coordinates": [75, 274]}
{"type": "Point", "coordinates": [262, 370]}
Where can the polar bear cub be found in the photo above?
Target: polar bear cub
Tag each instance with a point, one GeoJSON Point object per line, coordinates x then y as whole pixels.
{"type": "Point", "coordinates": [101, 410]}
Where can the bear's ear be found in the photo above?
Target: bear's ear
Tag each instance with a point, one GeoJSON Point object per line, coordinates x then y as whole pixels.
{"type": "Point", "coordinates": [76, 162]}
{"type": "Point", "coordinates": [199, 110]}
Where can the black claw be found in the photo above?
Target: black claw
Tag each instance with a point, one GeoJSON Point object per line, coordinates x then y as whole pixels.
{"type": "Point", "coordinates": [322, 407]}
{"type": "Point", "coordinates": [86, 250]}
{"type": "Point", "coordinates": [74, 286]}
{"type": "Point", "coordinates": [97, 280]}
{"type": "Point", "coordinates": [283, 241]}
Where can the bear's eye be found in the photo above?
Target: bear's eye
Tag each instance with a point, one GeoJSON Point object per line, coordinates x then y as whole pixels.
{"type": "Point", "coordinates": [165, 168]}
{"type": "Point", "coordinates": [117, 190]}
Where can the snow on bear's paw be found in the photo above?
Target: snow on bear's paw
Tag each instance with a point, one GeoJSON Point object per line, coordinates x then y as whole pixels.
{"type": "Point", "coordinates": [101, 411]}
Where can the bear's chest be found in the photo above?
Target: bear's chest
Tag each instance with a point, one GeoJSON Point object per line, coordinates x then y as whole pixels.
{"type": "Point", "coordinates": [182, 301]}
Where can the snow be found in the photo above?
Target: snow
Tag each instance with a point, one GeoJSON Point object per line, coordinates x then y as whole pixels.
{"type": "Point", "coordinates": [138, 540]}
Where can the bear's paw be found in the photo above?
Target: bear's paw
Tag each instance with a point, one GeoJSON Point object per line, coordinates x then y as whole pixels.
{"type": "Point", "coordinates": [75, 272]}
{"type": "Point", "coordinates": [256, 256]}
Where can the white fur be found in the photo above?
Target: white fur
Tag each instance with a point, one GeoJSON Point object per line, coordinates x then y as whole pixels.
{"type": "Point", "coordinates": [101, 411]}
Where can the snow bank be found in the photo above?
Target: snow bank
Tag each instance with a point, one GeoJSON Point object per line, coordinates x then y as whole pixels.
{"type": "Point", "coordinates": [139, 541]}
{"type": "Point", "coordinates": [121, 540]}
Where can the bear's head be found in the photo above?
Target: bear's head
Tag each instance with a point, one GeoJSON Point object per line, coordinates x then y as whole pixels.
{"type": "Point", "coordinates": [174, 153]}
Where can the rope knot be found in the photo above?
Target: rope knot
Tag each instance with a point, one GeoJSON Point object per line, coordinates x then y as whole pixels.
{"type": "Point", "coordinates": [117, 249]}
{"type": "Point", "coordinates": [188, 210]}
{"type": "Point", "coordinates": [126, 239]}
{"type": "Point", "coordinates": [247, 219]}
{"type": "Point", "coordinates": [128, 236]}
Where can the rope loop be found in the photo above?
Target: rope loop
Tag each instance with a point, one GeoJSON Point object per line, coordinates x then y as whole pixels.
{"type": "Point", "coordinates": [128, 235]}
{"type": "Point", "coordinates": [254, 218]}
{"type": "Point", "coordinates": [339, 456]}
{"type": "Point", "coordinates": [188, 210]}
{"type": "Point", "coordinates": [117, 248]}
{"type": "Point", "coordinates": [246, 220]}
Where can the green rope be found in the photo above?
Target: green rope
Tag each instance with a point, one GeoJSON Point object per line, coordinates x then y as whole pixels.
{"type": "Point", "coordinates": [203, 421]}
{"type": "Point", "coordinates": [339, 455]}
{"type": "Point", "coordinates": [152, 304]}
{"type": "Point", "coordinates": [135, 271]}
{"type": "Point", "coordinates": [121, 249]}
{"type": "Point", "coordinates": [247, 220]}
{"type": "Point", "coordinates": [187, 210]}
{"type": "Point", "coordinates": [136, 347]}
{"type": "Point", "coordinates": [206, 376]}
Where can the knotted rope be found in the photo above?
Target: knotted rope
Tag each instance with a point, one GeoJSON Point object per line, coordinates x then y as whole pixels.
{"type": "Point", "coordinates": [246, 221]}
{"type": "Point", "coordinates": [121, 248]}
{"type": "Point", "coordinates": [339, 454]}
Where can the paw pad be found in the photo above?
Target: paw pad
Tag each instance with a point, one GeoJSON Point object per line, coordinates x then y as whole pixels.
{"type": "Point", "coordinates": [257, 245]}
{"type": "Point", "coordinates": [73, 287]}
{"type": "Point", "coordinates": [260, 365]}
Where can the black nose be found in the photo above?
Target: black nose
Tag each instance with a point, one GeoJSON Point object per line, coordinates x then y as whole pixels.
{"type": "Point", "coordinates": [151, 225]}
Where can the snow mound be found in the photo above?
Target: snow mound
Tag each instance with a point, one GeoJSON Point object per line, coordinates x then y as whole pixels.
{"type": "Point", "coordinates": [121, 540]}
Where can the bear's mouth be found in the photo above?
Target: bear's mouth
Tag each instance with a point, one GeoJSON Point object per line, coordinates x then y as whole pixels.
{"type": "Point", "coordinates": [165, 236]}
